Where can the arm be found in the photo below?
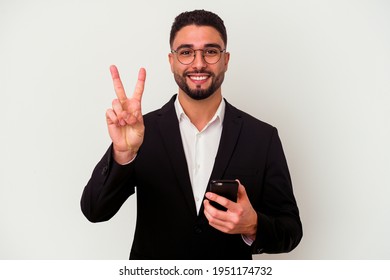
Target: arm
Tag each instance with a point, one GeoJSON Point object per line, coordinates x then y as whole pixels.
{"type": "Point", "coordinates": [111, 183]}
{"type": "Point", "coordinates": [108, 188]}
{"type": "Point", "coordinates": [280, 228]}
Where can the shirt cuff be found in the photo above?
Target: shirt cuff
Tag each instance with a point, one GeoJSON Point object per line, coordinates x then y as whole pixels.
{"type": "Point", "coordinates": [126, 163]}
{"type": "Point", "coordinates": [248, 241]}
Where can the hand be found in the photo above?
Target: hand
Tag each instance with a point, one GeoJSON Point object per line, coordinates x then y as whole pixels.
{"type": "Point", "coordinates": [125, 122]}
{"type": "Point", "coordinates": [240, 217]}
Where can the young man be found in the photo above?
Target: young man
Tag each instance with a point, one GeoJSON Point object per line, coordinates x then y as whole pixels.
{"type": "Point", "coordinates": [170, 156]}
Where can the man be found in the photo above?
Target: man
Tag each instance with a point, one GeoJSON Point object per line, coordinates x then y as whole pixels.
{"type": "Point", "coordinates": [170, 155]}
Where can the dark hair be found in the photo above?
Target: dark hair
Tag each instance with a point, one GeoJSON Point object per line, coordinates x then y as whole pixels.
{"type": "Point", "coordinates": [199, 18]}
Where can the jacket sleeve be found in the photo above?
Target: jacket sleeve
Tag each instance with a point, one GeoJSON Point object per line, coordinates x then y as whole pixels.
{"type": "Point", "coordinates": [108, 188]}
{"type": "Point", "coordinates": [279, 227]}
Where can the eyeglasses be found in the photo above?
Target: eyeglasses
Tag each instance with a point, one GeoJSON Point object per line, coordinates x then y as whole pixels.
{"type": "Point", "coordinates": [211, 55]}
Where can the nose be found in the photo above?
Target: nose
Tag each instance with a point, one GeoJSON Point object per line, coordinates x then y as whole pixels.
{"type": "Point", "coordinates": [199, 62]}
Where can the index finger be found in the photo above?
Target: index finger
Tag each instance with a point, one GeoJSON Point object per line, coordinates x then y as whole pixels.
{"type": "Point", "coordinates": [118, 86]}
{"type": "Point", "coordinates": [223, 201]}
{"type": "Point", "coordinates": [139, 87]}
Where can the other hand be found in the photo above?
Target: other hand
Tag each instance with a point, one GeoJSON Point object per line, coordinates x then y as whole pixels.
{"type": "Point", "coordinates": [240, 217]}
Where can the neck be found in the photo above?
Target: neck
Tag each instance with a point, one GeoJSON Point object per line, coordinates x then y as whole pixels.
{"type": "Point", "coordinates": [200, 112]}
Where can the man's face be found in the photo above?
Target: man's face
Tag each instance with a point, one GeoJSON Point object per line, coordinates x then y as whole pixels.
{"type": "Point", "coordinates": [199, 80]}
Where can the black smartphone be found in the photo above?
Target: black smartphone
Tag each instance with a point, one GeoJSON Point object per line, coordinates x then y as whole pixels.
{"type": "Point", "coordinates": [225, 188]}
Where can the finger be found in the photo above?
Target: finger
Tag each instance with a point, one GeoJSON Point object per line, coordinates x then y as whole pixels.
{"type": "Point", "coordinates": [134, 118]}
{"type": "Point", "coordinates": [139, 87]}
{"type": "Point", "coordinates": [118, 86]}
{"type": "Point", "coordinates": [117, 108]}
{"type": "Point", "coordinates": [214, 217]}
{"type": "Point", "coordinates": [111, 117]}
{"type": "Point", "coordinates": [212, 213]}
{"type": "Point", "coordinates": [242, 195]}
{"type": "Point", "coordinates": [220, 200]}
{"type": "Point", "coordinates": [241, 191]}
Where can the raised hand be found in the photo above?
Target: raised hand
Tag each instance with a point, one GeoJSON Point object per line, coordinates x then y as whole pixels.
{"type": "Point", "coordinates": [124, 120]}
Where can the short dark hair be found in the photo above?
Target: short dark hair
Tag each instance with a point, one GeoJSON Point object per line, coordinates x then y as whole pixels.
{"type": "Point", "coordinates": [199, 18]}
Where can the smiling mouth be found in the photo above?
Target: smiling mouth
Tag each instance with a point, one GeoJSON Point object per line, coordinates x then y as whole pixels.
{"type": "Point", "coordinates": [199, 78]}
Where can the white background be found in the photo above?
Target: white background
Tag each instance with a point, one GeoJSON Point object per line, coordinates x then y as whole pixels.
{"type": "Point", "coordinates": [317, 70]}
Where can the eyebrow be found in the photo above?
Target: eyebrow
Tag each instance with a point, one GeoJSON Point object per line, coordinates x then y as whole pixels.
{"type": "Point", "coordinates": [205, 46]}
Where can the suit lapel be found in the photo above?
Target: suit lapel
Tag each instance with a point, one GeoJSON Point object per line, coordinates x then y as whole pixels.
{"type": "Point", "coordinates": [230, 133]}
{"type": "Point", "coordinates": [170, 132]}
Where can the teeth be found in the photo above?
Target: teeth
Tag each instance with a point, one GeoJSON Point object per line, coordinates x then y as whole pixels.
{"type": "Point", "coordinates": [199, 78]}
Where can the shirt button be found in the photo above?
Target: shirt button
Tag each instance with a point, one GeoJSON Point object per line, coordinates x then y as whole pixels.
{"type": "Point", "coordinates": [196, 167]}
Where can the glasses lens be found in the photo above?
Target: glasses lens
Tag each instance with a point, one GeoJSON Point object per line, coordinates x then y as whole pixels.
{"type": "Point", "coordinates": [212, 55]}
{"type": "Point", "coordinates": [185, 55]}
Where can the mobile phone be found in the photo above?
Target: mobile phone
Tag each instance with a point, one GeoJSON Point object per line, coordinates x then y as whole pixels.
{"type": "Point", "coordinates": [225, 188]}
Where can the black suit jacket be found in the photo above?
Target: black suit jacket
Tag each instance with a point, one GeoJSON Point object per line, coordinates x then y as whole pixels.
{"type": "Point", "coordinates": [168, 226]}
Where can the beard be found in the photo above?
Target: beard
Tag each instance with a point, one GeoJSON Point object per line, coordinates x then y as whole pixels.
{"type": "Point", "coordinates": [198, 93]}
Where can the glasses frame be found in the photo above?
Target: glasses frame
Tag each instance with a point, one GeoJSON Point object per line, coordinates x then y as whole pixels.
{"type": "Point", "coordinates": [203, 56]}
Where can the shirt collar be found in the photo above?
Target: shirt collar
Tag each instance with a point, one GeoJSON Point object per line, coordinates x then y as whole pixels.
{"type": "Point", "coordinates": [219, 114]}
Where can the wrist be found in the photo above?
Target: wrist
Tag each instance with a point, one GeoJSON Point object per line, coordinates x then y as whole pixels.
{"type": "Point", "coordinates": [252, 234]}
{"type": "Point", "coordinates": [123, 157]}
{"type": "Point", "coordinates": [253, 229]}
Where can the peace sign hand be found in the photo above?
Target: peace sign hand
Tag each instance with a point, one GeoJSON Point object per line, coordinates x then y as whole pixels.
{"type": "Point", "coordinates": [125, 122]}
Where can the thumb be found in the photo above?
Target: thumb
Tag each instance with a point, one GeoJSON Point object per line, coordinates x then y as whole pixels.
{"type": "Point", "coordinates": [241, 194]}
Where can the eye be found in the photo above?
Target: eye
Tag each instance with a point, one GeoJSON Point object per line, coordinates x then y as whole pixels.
{"type": "Point", "coordinates": [211, 52]}
{"type": "Point", "coordinates": [186, 52]}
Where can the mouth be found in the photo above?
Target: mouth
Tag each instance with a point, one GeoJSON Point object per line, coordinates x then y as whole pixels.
{"type": "Point", "coordinates": [198, 78]}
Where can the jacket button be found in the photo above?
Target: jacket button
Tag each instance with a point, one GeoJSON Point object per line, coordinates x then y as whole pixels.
{"type": "Point", "coordinates": [197, 230]}
{"type": "Point", "coordinates": [104, 170]}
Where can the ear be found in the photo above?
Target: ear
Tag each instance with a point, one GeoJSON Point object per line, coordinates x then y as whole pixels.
{"type": "Point", "coordinates": [226, 58]}
{"type": "Point", "coordinates": [171, 58]}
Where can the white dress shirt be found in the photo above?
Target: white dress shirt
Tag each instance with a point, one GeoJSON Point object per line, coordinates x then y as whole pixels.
{"type": "Point", "coordinates": [200, 148]}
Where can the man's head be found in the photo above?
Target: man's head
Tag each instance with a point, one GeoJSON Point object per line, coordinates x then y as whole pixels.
{"type": "Point", "coordinates": [199, 18]}
{"type": "Point", "coordinates": [198, 55]}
